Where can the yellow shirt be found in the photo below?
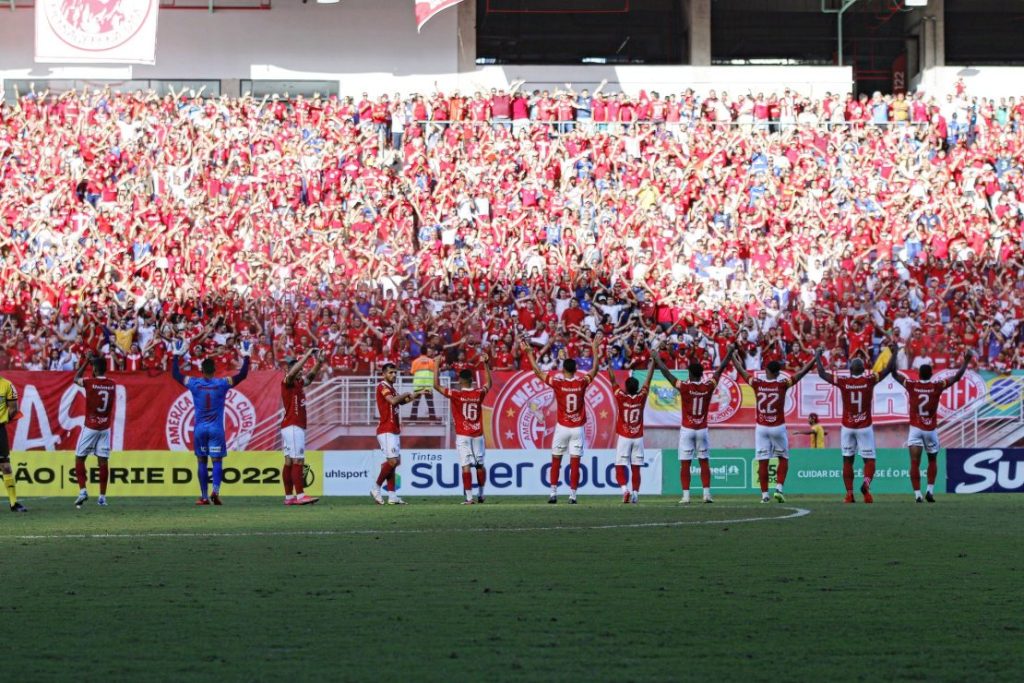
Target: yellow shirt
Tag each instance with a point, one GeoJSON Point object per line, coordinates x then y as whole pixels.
{"type": "Point", "coordinates": [817, 436]}
{"type": "Point", "coordinates": [8, 394]}
{"type": "Point", "coordinates": [423, 372]}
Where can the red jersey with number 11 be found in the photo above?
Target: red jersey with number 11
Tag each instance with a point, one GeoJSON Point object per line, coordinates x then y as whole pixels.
{"type": "Point", "coordinates": [467, 410]}
{"type": "Point", "coordinates": [569, 397]}
{"type": "Point", "coordinates": [99, 402]}
{"type": "Point", "coordinates": [630, 420]}
{"type": "Point", "coordinates": [696, 399]}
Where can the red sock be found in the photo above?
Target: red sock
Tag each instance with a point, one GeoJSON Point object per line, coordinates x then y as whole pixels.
{"type": "Point", "coordinates": [762, 475]}
{"type": "Point", "coordinates": [636, 476]}
{"type": "Point", "coordinates": [705, 473]}
{"type": "Point", "coordinates": [80, 472]}
{"type": "Point", "coordinates": [684, 474]}
{"type": "Point", "coordinates": [869, 470]}
{"type": "Point", "coordinates": [104, 475]}
{"type": "Point", "coordinates": [286, 477]}
{"type": "Point", "coordinates": [467, 481]}
{"type": "Point", "coordinates": [915, 473]}
{"type": "Point", "coordinates": [298, 478]}
{"type": "Point", "coordinates": [481, 476]}
{"type": "Point", "coordinates": [780, 474]}
{"type": "Point", "coordinates": [574, 473]}
{"type": "Point", "coordinates": [933, 469]}
{"type": "Point", "coordinates": [392, 479]}
{"type": "Point", "coordinates": [385, 470]}
{"type": "Point", "coordinates": [848, 474]}
{"type": "Point", "coordinates": [556, 470]}
{"type": "Point", "coordinates": [620, 474]}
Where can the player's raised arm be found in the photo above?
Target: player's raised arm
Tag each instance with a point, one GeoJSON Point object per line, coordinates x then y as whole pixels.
{"type": "Point", "coordinates": [80, 372]}
{"type": "Point", "coordinates": [968, 354]}
{"type": "Point", "coordinates": [296, 369]}
{"type": "Point", "coordinates": [822, 372]}
{"type": "Point", "coordinates": [888, 369]}
{"type": "Point", "coordinates": [650, 376]}
{"type": "Point", "coordinates": [737, 363]}
{"type": "Point", "coordinates": [721, 368]}
{"type": "Point", "coordinates": [525, 347]}
{"type": "Point", "coordinates": [801, 373]}
{"type": "Point", "coordinates": [437, 378]}
{"type": "Point", "coordinates": [321, 358]}
{"type": "Point", "coordinates": [246, 350]}
{"type": "Point", "coordinates": [665, 372]}
{"type": "Point", "coordinates": [900, 379]}
{"type": "Point", "coordinates": [595, 346]}
{"type": "Point", "coordinates": [488, 378]}
{"type": "Point", "coordinates": [178, 347]}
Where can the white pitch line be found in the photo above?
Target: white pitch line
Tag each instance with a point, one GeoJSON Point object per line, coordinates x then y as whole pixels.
{"type": "Point", "coordinates": [797, 512]}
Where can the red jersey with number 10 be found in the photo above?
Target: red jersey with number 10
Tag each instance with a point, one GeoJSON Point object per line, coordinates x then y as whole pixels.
{"type": "Point", "coordinates": [696, 399]}
{"type": "Point", "coordinates": [388, 423]}
{"type": "Point", "coordinates": [771, 400]}
{"type": "Point", "coordinates": [857, 394]}
{"type": "Point", "coordinates": [630, 420]}
{"type": "Point", "coordinates": [467, 410]}
{"type": "Point", "coordinates": [569, 397]}
{"type": "Point", "coordinates": [294, 399]}
{"type": "Point", "coordinates": [99, 402]}
{"type": "Point", "coordinates": [924, 396]}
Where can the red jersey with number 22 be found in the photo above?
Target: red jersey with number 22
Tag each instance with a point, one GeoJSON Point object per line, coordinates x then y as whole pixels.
{"type": "Point", "coordinates": [467, 409]}
{"type": "Point", "coordinates": [630, 420]}
{"type": "Point", "coordinates": [294, 399]}
{"type": "Point", "coordinates": [771, 400]}
{"type": "Point", "coordinates": [924, 396]}
{"type": "Point", "coordinates": [569, 397]}
{"type": "Point", "coordinates": [857, 394]}
{"type": "Point", "coordinates": [388, 423]}
{"type": "Point", "coordinates": [99, 402]}
{"type": "Point", "coordinates": [696, 399]}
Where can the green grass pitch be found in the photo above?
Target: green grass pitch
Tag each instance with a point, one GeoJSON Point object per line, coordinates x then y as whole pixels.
{"type": "Point", "coordinates": [156, 589]}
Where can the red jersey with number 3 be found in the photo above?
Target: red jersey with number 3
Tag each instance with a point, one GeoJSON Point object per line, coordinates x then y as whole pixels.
{"type": "Point", "coordinates": [99, 402]}
{"type": "Point", "coordinates": [696, 399]}
{"type": "Point", "coordinates": [467, 410]}
{"type": "Point", "coordinates": [857, 394]}
{"type": "Point", "coordinates": [388, 423]}
{"type": "Point", "coordinates": [294, 399]}
{"type": "Point", "coordinates": [924, 396]}
{"type": "Point", "coordinates": [770, 407]}
{"type": "Point", "coordinates": [630, 420]}
{"type": "Point", "coordinates": [569, 397]}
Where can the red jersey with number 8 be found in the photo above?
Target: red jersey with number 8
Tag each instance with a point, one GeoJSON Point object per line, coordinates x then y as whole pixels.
{"type": "Point", "coordinates": [467, 410]}
{"type": "Point", "coordinates": [924, 396]}
{"type": "Point", "coordinates": [770, 407]}
{"type": "Point", "coordinates": [857, 394]}
{"type": "Point", "coordinates": [389, 423]}
{"type": "Point", "coordinates": [99, 402]}
{"type": "Point", "coordinates": [294, 399]}
{"type": "Point", "coordinates": [569, 397]}
{"type": "Point", "coordinates": [696, 399]}
{"type": "Point", "coordinates": [630, 420]}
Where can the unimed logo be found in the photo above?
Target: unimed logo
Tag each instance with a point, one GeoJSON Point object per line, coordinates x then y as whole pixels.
{"type": "Point", "coordinates": [994, 470]}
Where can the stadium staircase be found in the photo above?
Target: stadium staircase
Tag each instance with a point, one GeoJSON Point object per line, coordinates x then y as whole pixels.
{"type": "Point", "coordinates": [985, 422]}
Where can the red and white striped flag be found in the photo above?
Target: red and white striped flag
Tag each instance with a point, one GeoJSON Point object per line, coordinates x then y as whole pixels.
{"type": "Point", "coordinates": [426, 9]}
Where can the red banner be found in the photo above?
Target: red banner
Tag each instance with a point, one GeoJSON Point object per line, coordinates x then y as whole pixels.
{"type": "Point", "coordinates": [426, 9]}
{"type": "Point", "coordinates": [150, 413]}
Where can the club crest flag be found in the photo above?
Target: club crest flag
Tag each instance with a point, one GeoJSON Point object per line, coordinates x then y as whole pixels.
{"type": "Point", "coordinates": [426, 9]}
{"type": "Point", "coordinates": [96, 31]}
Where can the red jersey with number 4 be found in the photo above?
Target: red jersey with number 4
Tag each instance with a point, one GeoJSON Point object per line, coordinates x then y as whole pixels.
{"type": "Point", "coordinates": [467, 410]}
{"type": "Point", "coordinates": [388, 423]}
{"type": "Point", "coordinates": [294, 399]}
{"type": "Point", "coordinates": [924, 396]}
{"type": "Point", "coordinates": [630, 420]}
{"type": "Point", "coordinates": [857, 394]}
{"type": "Point", "coordinates": [99, 402]}
{"type": "Point", "coordinates": [771, 400]}
{"type": "Point", "coordinates": [569, 396]}
{"type": "Point", "coordinates": [696, 399]}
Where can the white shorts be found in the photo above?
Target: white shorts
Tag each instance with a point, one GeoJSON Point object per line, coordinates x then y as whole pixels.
{"type": "Point", "coordinates": [389, 445]}
{"type": "Point", "coordinates": [929, 440]}
{"type": "Point", "coordinates": [567, 439]}
{"type": "Point", "coordinates": [857, 442]}
{"type": "Point", "coordinates": [691, 440]}
{"type": "Point", "coordinates": [629, 451]}
{"type": "Point", "coordinates": [93, 442]}
{"type": "Point", "coordinates": [771, 442]}
{"type": "Point", "coordinates": [471, 450]}
{"type": "Point", "coordinates": [293, 442]}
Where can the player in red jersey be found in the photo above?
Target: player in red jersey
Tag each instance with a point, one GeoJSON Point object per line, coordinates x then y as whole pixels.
{"type": "Point", "coordinates": [856, 434]}
{"type": "Point", "coordinates": [629, 430]}
{"type": "Point", "coordinates": [467, 406]}
{"type": "Point", "coordinates": [923, 396]}
{"type": "Point", "coordinates": [770, 437]}
{"type": "Point", "coordinates": [388, 431]}
{"type": "Point", "coordinates": [570, 390]}
{"type": "Point", "coordinates": [696, 394]}
{"type": "Point", "coordinates": [293, 426]}
{"type": "Point", "coordinates": [94, 439]}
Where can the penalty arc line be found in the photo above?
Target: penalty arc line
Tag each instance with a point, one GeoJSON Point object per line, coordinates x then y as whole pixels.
{"type": "Point", "coordinates": [796, 513]}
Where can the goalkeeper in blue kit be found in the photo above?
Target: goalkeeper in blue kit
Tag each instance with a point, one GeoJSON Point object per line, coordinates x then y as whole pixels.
{"type": "Point", "coordinates": [208, 396]}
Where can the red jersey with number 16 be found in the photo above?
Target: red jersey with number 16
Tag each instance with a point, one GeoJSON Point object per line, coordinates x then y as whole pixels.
{"type": "Point", "coordinates": [630, 420]}
{"type": "Point", "coordinates": [294, 399]}
{"type": "Point", "coordinates": [696, 399]}
{"type": "Point", "coordinates": [569, 397]}
{"type": "Point", "coordinates": [924, 396]}
{"type": "Point", "coordinates": [99, 402]}
{"type": "Point", "coordinates": [467, 410]}
{"type": "Point", "coordinates": [388, 423]}
{"type": "Point", "coordinates": [857, 394]}
{"type": "Point", "coordinates": [770, 406]}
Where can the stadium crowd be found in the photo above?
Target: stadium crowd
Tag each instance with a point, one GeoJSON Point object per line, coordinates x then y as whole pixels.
{"type": "Point", "coordinates": [386, 228]}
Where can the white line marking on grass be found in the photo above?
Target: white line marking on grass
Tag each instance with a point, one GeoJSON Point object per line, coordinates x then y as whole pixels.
{"type": "Point", "coordinates": [796, 512]}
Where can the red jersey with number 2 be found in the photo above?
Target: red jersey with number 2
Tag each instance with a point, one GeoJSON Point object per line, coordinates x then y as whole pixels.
{"type": "Point", "coordinates": [467, 409]}
{"type": "Point", "coordinates": [294, 399]}
{"type": "Point", "coordinates": [569, 396]}
{"type": "Point", "coordinates": [857, 394]}
{"type": "Point", "coordinates": [771, 400]}
{"type": "Point", "coordinates": [696, 398]}
{"type": "Point", "coordinates": [388, 423]}
{"type": "Point", "coordinates": [630, 420]}
{"type": "Point", "coordinates": [924, 396]}
{"type": "Point", "coordinates": [99, 402]}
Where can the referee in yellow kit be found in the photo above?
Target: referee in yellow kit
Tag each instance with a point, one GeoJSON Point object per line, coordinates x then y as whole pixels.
{"type": "Point", "coordinates": [8, 413]}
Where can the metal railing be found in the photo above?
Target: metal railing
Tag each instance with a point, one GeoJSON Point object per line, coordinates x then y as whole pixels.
{"type": "Point", "coordinates": [984, 423]}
